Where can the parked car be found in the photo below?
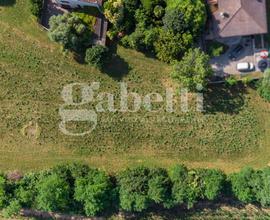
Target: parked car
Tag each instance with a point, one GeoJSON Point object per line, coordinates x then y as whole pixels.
{"type": "Point", "coordinates": [245, 67]}
{"type": "Point", "coordinates": [236, 52]}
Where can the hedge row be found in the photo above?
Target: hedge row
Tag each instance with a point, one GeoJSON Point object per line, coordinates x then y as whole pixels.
{"type": "Point", "coordinates": [79, 189]}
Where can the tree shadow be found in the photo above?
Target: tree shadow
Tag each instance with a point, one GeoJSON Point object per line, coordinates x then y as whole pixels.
{"type": "Point", "coordinates": [181, 212]}
{"type": "Point", "coordinates": [117, 68]}
{"type": "Point", "coordinates": [223, 98]}
{"type": "Point", "coordinates": [6, 3]}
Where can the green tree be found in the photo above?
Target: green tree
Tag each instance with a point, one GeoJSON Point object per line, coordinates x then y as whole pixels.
{"type": "Point", "coordinates": [194, 13]}
{"type": "Point", "coordinates": [193, 69]}
{"type": "Point", "coordinates": [160, 187]}
{"type": "Point", "coordinates": [133, 189]}
{"type": "Point", "coordinates": [159, 11]}
{"type": "Point", "coordinates": [53, 193]}
{"type": "Point", "coordinates": [114, 12]}
{"type": "Point", "coordinates": [261, 184]}
{"type": "Point", "coordinates": [168, 50]}
{"type": "Point", "coordinates": [26, 190]}
{"type": "Point", "coordinates": [95, 191]}
{"type": "Point", "coordinates": [264, 86]}
{"type": "Point", "coordinates": [97, 56]}
{"type": "Point", "coordinates": [70, 31]}
{"type": "Point", "coordinates": [242, 186]}
{"type": "Point", "coordinates": [212, 183]}
{"type": "Point", "coordinates": [174, 20]}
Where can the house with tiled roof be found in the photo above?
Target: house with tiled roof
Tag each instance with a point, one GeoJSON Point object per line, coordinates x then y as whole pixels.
{"type": "Point", "coordinates": [237, 18]}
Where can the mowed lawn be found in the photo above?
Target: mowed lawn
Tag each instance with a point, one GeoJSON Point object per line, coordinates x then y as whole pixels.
{"type": "Point", "coordinates": [233, 132]}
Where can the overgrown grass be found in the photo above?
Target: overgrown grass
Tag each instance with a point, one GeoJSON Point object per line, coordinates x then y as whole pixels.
{"type": "Point", "coordinates": [233, 132]}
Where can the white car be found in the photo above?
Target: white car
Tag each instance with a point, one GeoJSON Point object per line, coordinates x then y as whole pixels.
{"type": "Point", "coordinates": [245, 67]}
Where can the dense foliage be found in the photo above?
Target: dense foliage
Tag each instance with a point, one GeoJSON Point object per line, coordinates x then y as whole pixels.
{"type": "Point", "coordinates": [156, 26]}
{"type": "Point", "coordinates": [77, 188]}
{"type": "Point", "coordinates": [70, 31]}
{"type": "Point", "coordinates": [36, 7]}
{"type": "Point", "coordinates": [264, 86]}
{"type": "Point", "coordinates": [193, 70]}
{"type": "Point", "coordinates": [97, 56]}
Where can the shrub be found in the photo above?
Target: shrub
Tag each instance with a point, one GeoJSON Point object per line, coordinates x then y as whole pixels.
{"type": "Point", "coordinates": [133, 189]}
{"type": "Point", "coordinates": [70, 31]}
{"type": "Point", "coordinates": [87, 19]}
{"type": "Point", "coordinates": [12, 209]}
{"type": "Point", "coordinates": [53, 193]}
{"type": "Point", "coordinates": [159, 11]}
{"type": "Point", "coordinates": [231, 81]}
{"type": "Point", "coordinates": [264, 86]}
{"type": "Point", "coordinates": [215, 49]}
{"type": "Point", "coordinates": [114, 12]}
{"type": "Point", "coordinates": [194, 13]}
{"type": "Point", "coordinates": [160, 187]}
{"type": "Point", "coordinates": [167, 50]}
{"type": "Point", "coordinates": [149, 5]}
{"type": "Point", "coordinates": [95, 191]}
{"type": "Point", "coordinates": [242, 186]}
{"type": "Point", "coordinates": [26, 190]}
{"type": "Point", "coordinates": [186, 186]}
{"type": "Point", "coordinates": [36, 7]}
{"type": "Point", "coordinates": [97, 56]}
{"type": "Point", "coordinates": [174, 21]}
{"type": "Point", "coordinates": [212, 183]}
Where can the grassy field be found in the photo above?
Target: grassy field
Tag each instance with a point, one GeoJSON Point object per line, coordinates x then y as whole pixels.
{"type": "Point", "coordinates": [233, 132]}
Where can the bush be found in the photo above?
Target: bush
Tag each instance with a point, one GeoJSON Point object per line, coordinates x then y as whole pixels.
{"type": "Point", "coordinates": [36, 7]}
{"type": "Point", "coordinates": [70, 31]}
{"type": "Point", "coordinates": [53, 193]}
{"type": "Point", "coordinates": [167, 50]}
{"type": "Point", "coordinates": [264, 86]}
{"type": "Point", "coordinates": [160, 187]}
{"type": "Point", "coordinates": [242, 186]}
{"type": "Point", "coordinates": [12, 209]}
{"type": "Point", "coordinates": [231, 81]}
{"type": "Point", "coordinates": [215, 49]}
{"type": "Point", "coordinates": [96, 192]}
{"type": "Point", "coordinates": [159, 11]}
{"type": "Point", "coordinates": [212, 183]}
{"type": "Point", "coordinates": [149, 5]}
{"type": "Point", "coordinates": [174, 21]}
{"type": "Point", "coordinates": [97, 56]}
{"type": "Point", "coordinates": [133, 189]}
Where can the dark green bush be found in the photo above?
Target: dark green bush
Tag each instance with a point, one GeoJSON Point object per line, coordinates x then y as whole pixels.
{"type": "Point", "coordinates": [96, 192]}
{"type": "Point", "coordinates": [36, 7]}
{"type": "Point", "coordinates": [97, 56]}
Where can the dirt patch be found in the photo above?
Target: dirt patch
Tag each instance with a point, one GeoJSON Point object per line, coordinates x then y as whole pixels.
{"type": "Point", "coordinates": [31, 130]}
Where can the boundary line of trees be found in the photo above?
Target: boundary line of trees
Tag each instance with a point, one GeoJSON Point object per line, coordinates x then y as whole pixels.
{"type": "Point", "coordinates": [78, 189]}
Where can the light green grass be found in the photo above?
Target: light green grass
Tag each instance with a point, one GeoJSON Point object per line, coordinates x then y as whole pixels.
{"type": "Point", "coordinates": [234, 131]}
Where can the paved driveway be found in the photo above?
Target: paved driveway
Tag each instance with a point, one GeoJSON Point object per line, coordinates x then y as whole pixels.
{"type": "Point", "coordinates": [222, 65]}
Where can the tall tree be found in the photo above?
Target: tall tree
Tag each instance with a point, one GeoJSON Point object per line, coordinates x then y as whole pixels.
{"type": "Point", "coordinates": [192, 71]}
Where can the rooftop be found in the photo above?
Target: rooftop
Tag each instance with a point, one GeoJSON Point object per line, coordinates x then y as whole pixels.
{"type": "Point", "coordinates": [240, 18]}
